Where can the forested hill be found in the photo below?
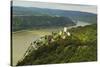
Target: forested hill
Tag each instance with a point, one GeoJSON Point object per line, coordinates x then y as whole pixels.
{"type": "Point", "coordinates": [38, 21]}
{"type": "Point", "coordinates": [75, 15]}
{"type": "Point", "coordinates": [32, 17]}
{"type": "Point", "coordinates": [80, 46]}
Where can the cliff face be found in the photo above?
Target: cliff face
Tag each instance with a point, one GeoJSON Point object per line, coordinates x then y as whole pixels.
{"type": "Point", "coordinates": [80, 46]}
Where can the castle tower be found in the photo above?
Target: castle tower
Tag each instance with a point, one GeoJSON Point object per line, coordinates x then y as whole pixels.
{"type": "Point", "coordinates": [66, 31]}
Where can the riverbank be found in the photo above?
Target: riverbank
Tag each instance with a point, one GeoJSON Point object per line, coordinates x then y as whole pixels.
{"type": "Point", "coordinates": [21, 39]}
{"type": "Point", "coordinates": [79, 47]}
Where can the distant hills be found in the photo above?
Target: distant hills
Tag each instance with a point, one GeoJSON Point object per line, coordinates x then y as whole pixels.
{"type": "Point", "coordinates": [75, 15]}
{"type": "Point", "coordinates": [45, 21]}
{"type": "Point", "coordinates": [32, 17]}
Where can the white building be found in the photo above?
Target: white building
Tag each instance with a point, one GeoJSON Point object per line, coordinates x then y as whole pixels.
{"type": "Point", "coordinates": [66, 31]}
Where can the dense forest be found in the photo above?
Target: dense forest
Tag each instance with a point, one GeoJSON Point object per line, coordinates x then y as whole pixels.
{"type": "Point", "coordinates": [38, 21]}
{"type": "Point", "coordinates": [80, 46]}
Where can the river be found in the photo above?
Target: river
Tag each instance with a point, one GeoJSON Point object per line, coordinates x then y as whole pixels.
{"type": "Point", "coordinates": [22, 39]}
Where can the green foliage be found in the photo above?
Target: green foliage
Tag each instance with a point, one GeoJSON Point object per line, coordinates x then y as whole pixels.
{"type": "Point", "coordinates": [81, 46]}
{"type": "Point", "coordinates": [27, 22]}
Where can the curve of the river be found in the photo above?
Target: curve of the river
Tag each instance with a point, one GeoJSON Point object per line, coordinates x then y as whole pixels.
{"type": "Point", "coordinates": [22, 39]}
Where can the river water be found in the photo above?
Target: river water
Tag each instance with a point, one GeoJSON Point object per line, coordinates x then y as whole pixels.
{"type": "Point", "coordinates": [22, 39]}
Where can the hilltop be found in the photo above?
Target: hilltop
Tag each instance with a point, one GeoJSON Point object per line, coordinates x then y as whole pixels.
{"type": "Point", "coordinates": [79, 46]}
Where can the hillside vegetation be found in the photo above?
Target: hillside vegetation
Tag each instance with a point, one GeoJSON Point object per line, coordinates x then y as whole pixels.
{"type": "Point", "coordinates": [75, 15]}
{"type": "Point", "coordinates": [80, 46]}
{"type": "Point", "coordinates": [38, 21]}
{"type": "Point", "coordinates": [31, 17]}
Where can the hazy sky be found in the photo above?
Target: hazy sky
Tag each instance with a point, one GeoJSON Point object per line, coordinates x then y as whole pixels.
{"type": "Point", "coordinates": [84, 8]}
